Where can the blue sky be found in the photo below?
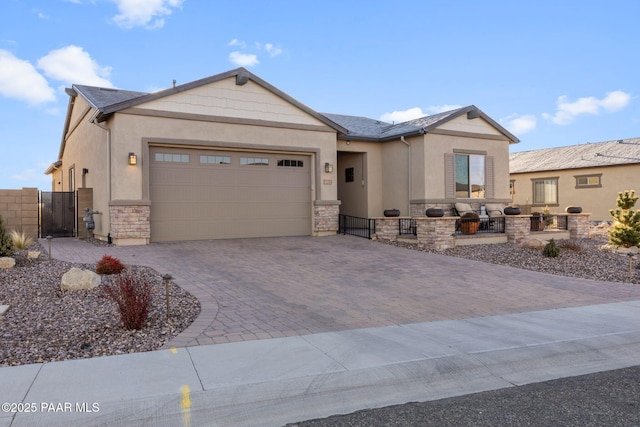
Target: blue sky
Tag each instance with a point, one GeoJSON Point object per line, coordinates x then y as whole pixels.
{"type": "Point", "coordinates": [553, 72]}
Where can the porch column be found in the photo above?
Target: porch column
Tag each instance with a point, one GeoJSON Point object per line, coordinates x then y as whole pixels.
{"type": "Point", "coordinates": [325, 217]}
{"type": "Point", "coordinates": [436, 233]}
{"type": "Point", "coordinates": [517, 228]}
{"type": "Point", "coordinates": [388, 228]}
{"type": "Point", "coordinates": [579, 225]}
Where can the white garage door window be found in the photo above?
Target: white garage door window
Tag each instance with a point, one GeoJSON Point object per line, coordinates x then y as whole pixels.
{"type": "Point", "coordinates": [205, 194]}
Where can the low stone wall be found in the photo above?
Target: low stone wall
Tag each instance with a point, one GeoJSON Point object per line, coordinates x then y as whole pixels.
{"type": "Point", "coordinates": [326, 217]}
{"type": "Point", "coordinates": [19, 210]}
{"type": "Point", "coordinates": [436, 233]}
{"type": "Point", "coordinates": [130, 222]}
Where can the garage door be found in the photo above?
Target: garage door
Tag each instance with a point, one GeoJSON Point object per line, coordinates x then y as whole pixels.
{"type": "Point", "coordinates": [204, 194]}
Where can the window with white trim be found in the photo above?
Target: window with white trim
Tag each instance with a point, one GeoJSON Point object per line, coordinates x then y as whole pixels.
{"type": "Point", "coordinates": [254, 161]}
{"type": "Point", "coordinates": [584, 181]}
{"type": "Point", "coordinates": [172, 157]}
{"type": "Point", "coordinates": [545, 191]}
{"type": "Point", "coordinates": [215, 160]}
{"type": "Point", "coordinates": [470, 176]}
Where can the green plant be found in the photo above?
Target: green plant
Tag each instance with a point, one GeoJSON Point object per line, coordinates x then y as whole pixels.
{"type": "Point", "coordinates": [551, 250]}
{"type": "Point", "coordinates": [21, 241]}
{"type": "Point", "coordinates": [6, 244]}
{"type": "Point", "coordinates": [547, 215]}
{"type": "Point", "coordinates": [625, 230]}
{"type": "Point", "coordinates": [109, 265]}
{"type": "Point", "coordinates": [133, 297]}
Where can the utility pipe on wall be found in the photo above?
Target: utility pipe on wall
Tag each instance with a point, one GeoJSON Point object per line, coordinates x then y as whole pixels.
{"type": "Point", "coordinates": [408, 174]}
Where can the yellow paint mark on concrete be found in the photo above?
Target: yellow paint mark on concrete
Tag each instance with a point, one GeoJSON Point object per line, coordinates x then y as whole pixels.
{"type": "Point", "coordinates": [174, 350]}
{"type": "Point", "coordinates": [185, 403]}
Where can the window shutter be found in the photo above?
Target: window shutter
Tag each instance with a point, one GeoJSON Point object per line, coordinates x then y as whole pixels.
{"type": "Point", "coordinates": [449, 176]}
{"type": "Point", "coordinates": [489, 179]}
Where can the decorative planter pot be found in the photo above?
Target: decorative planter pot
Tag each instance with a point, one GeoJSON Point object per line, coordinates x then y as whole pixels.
{"type": "Point", "coordinates": [573, 209]}
{"type": "Point", "coordinates": [469, 226]}
{"type": "Point", "coordinates": [435, 212]}
{"type": "Point", "coordinates": [391, 213]}
{"type": "Point", "coordinates": [512, 210]}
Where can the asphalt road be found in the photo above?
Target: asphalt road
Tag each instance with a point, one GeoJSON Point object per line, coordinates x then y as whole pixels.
{"type": "Point", "coordinates": [609, 399]}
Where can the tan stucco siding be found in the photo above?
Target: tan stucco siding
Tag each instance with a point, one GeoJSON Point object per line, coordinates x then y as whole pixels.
{"type": "Point", "coordinates": [437, 145]}
{"type": "Point", "coordinates": [477, 125]}
{"type": "Point", "coordinates": [395, 176]}
{"type": "Point", "coordinates": [594, 200]}
{"type": "Point", "coordinates": [364, 196]}
{"type": "Point", "coordinates": [86, 147]}
{"type": "Point", "coordinates": [226, 99]}
{"type": "Point", "coordinates": [133, 132]}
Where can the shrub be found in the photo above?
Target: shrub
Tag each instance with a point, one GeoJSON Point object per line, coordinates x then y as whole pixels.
{"type": "Point", "coordinates": [625, 230]}
{"type": "Point", "coordinates": [109, 265]}
{"type": "Point", "coordinates": [133, 297]}
{"type": "Point", "coordinates": [551, 250]}
{"type": "Point", "coordinates": [6, 244]}
{"type": "Point", "coordinates": [570, 245]}
{"type": "Point", "coordinates": [20, 240]}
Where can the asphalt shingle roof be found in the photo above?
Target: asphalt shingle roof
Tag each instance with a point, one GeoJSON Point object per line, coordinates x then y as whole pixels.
{"type": "Point", "coordinates": [607, 153]}
{"type": "Point", "coordinates": [103, 97]}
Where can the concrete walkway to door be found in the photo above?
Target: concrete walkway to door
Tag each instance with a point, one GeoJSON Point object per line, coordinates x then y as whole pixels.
{"type": "Point", "coordinates": [269, 288]}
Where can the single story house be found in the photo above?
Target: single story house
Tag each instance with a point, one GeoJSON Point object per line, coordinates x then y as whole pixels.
{"type": "Point", "coordinates": [232, 156]}
{"type": "Point", "coordinates": [587, 175]}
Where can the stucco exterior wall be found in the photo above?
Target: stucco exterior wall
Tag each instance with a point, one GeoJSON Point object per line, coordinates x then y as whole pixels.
{"type": "Point", "coordinates": [362, 197]}
{"type": "Point", "coordinates": [226, 99]}
{"type": "Point", "coordinates": [436, 145]}
{"type": "Point", "coordinates": [594, 200]}
{"type": "Point", "coordinates": [87, 147]}
{"type": "Point", "coordinates": [396, 169]}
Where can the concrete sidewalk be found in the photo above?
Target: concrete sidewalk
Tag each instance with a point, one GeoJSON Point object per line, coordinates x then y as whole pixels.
{"type": "Point", "coordinates": [281, 380]}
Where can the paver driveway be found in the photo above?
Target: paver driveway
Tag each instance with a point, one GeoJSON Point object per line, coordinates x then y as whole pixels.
{"type": "Point", "coordinates": [263, 288]}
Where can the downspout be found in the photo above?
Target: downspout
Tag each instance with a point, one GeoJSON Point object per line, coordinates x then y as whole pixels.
{"type": "Point", "coordinates": [93, 120]}
{"type": "Point", "coordinates": [408, 174]}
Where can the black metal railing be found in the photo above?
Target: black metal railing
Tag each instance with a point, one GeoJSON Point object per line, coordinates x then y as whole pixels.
{"type": "Point", "coordinates": [483, 225]}
{"type": "Point", "coordinates": [407, 227]}
{"type": "Point", "coordinates": [549, 222]}
{"type": "Point", "coordinates": [356, 226]}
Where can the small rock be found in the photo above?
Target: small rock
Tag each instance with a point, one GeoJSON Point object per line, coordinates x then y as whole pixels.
{"type": "Point", "coordinates": [76, 279]}
{"type": "Point", "coordinates": [532, 244]}
{"type": "Point", "coordinates": [33, 254]}
{"type": "Point", "coordinates": [7, 262]}
{"type": "Point", "coordinates": [3, 309]}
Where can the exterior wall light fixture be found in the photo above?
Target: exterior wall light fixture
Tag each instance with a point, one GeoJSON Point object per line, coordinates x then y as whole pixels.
{"type": "Point", "coordinates": [133, 159]}
{"type": "Point", "coordinates": [328, 167]}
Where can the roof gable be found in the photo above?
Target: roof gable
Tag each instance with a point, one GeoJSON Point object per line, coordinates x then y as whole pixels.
{"type": "Point", "coordinates": [241, 75]}
{"type": "Point", "coordinates": [374, 130]}
{"type": "Point", "coordinates": [607, 153]}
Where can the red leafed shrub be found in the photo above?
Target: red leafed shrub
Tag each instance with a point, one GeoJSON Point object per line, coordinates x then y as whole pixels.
{"type": "Point", "coordinates": [109, 265]}
{"type": "Point", "coordinates": [133, 297]}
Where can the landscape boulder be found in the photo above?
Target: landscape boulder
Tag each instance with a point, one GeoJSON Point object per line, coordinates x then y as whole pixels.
{"type": "Point", "coordinates": [33, 254]}
{"type": "Point", "coordinates": [76, 279]}
{"type": "Point", "coordinates": [7, 262]}
{"type": "Point", "coordinates": [532, 244]}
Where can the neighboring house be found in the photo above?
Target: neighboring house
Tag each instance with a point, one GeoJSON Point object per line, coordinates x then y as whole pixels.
{"type": "Point", "coordinates": [232, 156]}
{"type": "Point", "coordinates": [587, 175]}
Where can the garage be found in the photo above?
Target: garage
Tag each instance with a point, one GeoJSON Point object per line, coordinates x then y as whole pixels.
{"type": "Point", "coordinates": [199, 194]}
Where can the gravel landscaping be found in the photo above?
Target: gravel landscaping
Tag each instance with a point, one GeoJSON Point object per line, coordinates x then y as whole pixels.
{"type": "Point", "coordinates": [578, 258]}
{"type": "Point", "coordinates": [45, 324]}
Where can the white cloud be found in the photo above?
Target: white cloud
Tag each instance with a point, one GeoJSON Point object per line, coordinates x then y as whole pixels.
{"type": "Point", "coordinates": [518, 124]}
{"type": "Point", "coordinates": [402, 116]}
{"type": "Point", "coordinates": [236, 42]}
{"type": "Point", "coordinates": [243, 59]}
{"type": "Point", "coordinates": [272, 50]}
{"type": "Point", "coordinates": [144, 13]}
{"type": "Point", "coordinates": [31, 175]}
{"type": "Point", "coordinates": [71, 64]}
{"type": "Point", "coordinates": [435, 109]}
{"type": "Point", "coordinates": [415, 113]}
{"type": "Point", "coordinates": [20, 80]}
{"type": "Point", "coordinates": [567, 111]}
